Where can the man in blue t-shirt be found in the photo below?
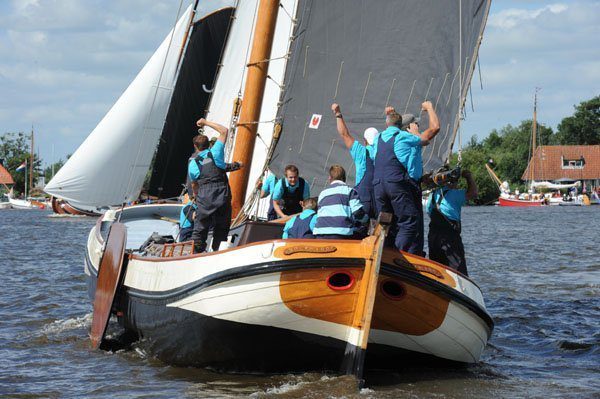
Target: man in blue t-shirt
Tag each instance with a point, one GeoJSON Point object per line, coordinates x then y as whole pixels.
{"type": "Point", "coordinates": [186, 221]}
{"type": "Point", "coordinates": [397, 179]}
{"type": "Point", "coordinates": [289, 192]}
{"type": "Point", "coordinates": [362, 155]}
{"type": "Point", "coordinates": [213, 196]}
{"type": "Point", "coordinates": [444, 206]}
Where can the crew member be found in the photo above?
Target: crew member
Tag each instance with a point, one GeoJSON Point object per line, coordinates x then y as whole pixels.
{"type": "Point", "coordinates": [213, 198]}
{"type": "Point", "coordinates": [396, 179]}
{"type": "Point", "coordinates": [341, 214]}
{"type": "Point", "coordinates": [267, 187]}
{"type": "Point", "coordinates": [444, 239]}
{"type": "Point", "coordinates": [289, 192]}
{"type": "Point", "coordinates": [186, 220]}
{"type": "Point", "coordinates": [362, 155]}
{"type": "Point", "coordinates": [302, 225]}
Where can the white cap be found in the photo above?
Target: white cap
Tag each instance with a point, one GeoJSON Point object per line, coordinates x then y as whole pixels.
{"type": "Point", "coordinates": [370, 134]}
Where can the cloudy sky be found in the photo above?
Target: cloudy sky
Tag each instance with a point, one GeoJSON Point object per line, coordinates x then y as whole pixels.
{"type": "Point", "coordinates": [63, 63]}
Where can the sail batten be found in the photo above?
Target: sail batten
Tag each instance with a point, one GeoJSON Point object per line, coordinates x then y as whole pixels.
{"type": "Point", "coordinates": [100, 172]}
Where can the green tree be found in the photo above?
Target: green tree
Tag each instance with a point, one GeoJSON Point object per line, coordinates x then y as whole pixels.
{"type": "Point", "coordinates": [14, 150]}
{"type": "Point", "coordinates": [583, 127]}
{"type": "Point", "coordinates": [55, 166]}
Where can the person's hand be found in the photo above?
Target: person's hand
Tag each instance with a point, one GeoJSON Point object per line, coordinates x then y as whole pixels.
{"type": "Point", "coordinates": [259, 183]}
{"type": "Point", "coordinates": [426, 106]}
{"type": "Point", "coordinates": [413, 128]}
{"type": "Point", "coordinates": [389, 110]}
{"type": "Point", "coordinates": [335, 108]}
{"type": "Point", "coordinates": [201, 122]}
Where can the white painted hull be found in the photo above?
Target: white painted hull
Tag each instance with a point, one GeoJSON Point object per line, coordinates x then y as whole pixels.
{"type": "Point", "coordinates": [21, 204]}
{"type": "Point", "coordinates": [243, 286]}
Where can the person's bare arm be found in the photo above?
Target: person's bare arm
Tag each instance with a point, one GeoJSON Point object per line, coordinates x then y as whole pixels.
{"type": "Point", "coordinates": [413, 128]}
{"type": "Point", "coordinates": [222, 130]}
{"type": "Point", "coordinates": [341, 126]}
{"type": "Point", "coordinates": [471, 185]}
{"type": "Point", "coordinates": [277, 209]}
{"type": "Point", "coordinates": [434, 123]}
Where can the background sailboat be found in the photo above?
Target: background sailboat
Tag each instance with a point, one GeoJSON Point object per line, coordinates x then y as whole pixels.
{"type": "Point", "coordinates": [110, 165]}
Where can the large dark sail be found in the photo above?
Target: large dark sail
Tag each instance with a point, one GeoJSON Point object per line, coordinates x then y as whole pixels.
{"type": "Point", "coordinates": [365, 55]}
{"type": "Point", "coordinates": [189, 101]}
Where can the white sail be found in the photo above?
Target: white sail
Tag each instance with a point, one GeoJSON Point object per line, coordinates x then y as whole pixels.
{"type": "Point", "coordinates": [553, 186]}
{"type": "Point", "coordinates": [232, 75]}
{"type": "Point", "coordinates": [110, 165]}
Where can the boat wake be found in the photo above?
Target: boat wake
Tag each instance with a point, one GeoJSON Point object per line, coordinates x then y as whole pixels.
{"type": "Point", "coordinates": [61, 326]}
{"type": "Point", "coordinates": [64, 215]}
{"type": "Point", "coordinates": [307, 385]}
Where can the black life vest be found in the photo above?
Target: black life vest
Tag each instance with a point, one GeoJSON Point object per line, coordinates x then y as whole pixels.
{"type": "Point", "coordinates": [291, 200]}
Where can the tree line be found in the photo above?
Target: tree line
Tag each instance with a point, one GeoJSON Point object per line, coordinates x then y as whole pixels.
{"type": "Point", "coordinates": [14, 151]}
{"type": "Point", "coordinates": [507, 147]}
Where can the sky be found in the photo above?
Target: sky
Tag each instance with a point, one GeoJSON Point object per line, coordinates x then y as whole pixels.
{"type": "Point", "coordinates": [64, 63]}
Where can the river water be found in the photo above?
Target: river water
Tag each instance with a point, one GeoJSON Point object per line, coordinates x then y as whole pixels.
{"type": "Point", "coordinates": [539, 270]}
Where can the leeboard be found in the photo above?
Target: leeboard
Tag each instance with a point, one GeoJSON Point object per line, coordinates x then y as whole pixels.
{"type": "Point", "coordinates": [109, 276]}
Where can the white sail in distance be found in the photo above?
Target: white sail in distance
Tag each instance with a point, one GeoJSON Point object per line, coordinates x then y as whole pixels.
{"type": "Point", "coordinates": [110, 165]}
{"type": "Point", "coordinates": [232, 76]}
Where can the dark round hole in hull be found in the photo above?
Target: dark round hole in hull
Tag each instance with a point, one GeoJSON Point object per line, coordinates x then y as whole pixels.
{"type": "Point", "coordinates": [340, 281]}
{"type": "Point", "coordinates": [392, 289]}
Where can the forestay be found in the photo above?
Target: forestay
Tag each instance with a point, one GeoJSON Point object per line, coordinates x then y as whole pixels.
{"type": "Point", "coordinates": [110, 165]}
{"type": "Point", "coordinates": [369, 54]}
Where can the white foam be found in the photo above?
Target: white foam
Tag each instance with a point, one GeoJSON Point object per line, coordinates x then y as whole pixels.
{"type": "Point", "coordinates": [60, 326]}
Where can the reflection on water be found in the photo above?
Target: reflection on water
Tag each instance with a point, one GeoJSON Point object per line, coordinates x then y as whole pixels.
{"type": "Point", "coordinates": [539, 270]}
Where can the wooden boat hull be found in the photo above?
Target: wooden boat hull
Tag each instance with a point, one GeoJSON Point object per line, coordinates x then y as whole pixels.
{"type": "Point", "coordinates": [62, 207]}
{"type": "Point", "coordinates": [271, 306]}
{"type": "Point", "coordinates": [519, 203]}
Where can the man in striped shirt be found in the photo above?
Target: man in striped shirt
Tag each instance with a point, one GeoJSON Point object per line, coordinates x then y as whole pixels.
{"type": "Point", "coordinates": [341, 214]}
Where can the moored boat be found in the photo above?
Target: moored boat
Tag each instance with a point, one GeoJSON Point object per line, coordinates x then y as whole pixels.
{"type": "Point", "coordinates": [519, 202]}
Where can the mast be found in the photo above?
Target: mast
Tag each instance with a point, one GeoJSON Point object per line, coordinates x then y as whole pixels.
{"type": "Point", "coordinates": [254, 89]}
{"type": "Point", "coordinates": [25, 179]}
{"type": "Point", "coordinates": [31, 163]}
{"type": "Point", "coordinates": [533, 137]}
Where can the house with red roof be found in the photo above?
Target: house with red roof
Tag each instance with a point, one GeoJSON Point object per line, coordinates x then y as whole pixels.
{"type": "Point", "coordinates": [565, 163]}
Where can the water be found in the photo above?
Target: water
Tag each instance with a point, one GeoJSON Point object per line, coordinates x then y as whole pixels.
{"type": "Point", "coordinates": [539, 270]}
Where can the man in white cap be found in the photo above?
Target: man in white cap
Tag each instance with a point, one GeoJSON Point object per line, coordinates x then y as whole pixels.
{"type": "Point", "coordinates": [363, 156]}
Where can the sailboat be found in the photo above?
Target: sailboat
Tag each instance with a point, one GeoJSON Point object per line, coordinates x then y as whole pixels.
{"type": "Point", "coordinates": [110, 166]}
{"type": "Point", "coordinates": [527, 199]}
{"type": "Point", "coordinates": [266, 304]}
{"type": "Point", "coordinates": [27, 202]}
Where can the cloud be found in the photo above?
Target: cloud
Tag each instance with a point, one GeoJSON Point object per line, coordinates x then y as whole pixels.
{"type": "Point", "coordinates": [549, 46]}
{"type": "Point", "coordinates": [507, 19]}
{"type": "Point", "coordinates": [63, 63]}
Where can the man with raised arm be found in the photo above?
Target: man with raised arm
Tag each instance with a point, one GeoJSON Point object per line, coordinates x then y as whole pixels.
{"type": "Point", "coordinates": [397, 178]}
{"type": "Point", "coordinates": [213, 195]}
{"type": "Point", "coordinates": [362, 155]}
